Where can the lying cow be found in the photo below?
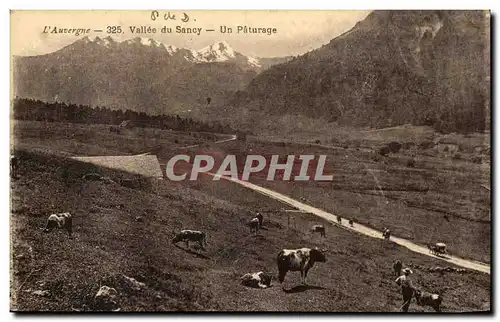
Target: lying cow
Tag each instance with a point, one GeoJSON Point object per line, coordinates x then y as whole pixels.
{"type": "Point", "coordinates": [257, 280]}
{"type": "Point", "coordinates": [254, 225]}
{"type": "Point", "coordinates": [319, 229]}
{"type": "Point", "coordinates": [302, 260]}
{"type": "Point", "coordinates": [59, 221]}
{"type": "Point", "coordinates": [187, 235]}
{"type": "Point", "coordinates": [429, 299]}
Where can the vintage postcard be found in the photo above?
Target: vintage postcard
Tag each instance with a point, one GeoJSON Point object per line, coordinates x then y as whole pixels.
{"type": "Point", "coordinates": [248, 161]}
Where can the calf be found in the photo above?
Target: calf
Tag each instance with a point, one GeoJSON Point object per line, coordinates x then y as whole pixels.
{"type": "Point", "coordinates": [302, 260]}
{"type": "Point", "coordinates": [397, 266]}
{"type": "Point", "coordinates": [187, 235]}
{"type": "Point", "coordinates": [59, 221]}
{"type": "Point", "coordinates": [319, 229]}
{"type": "Point", "coordinates": [429, 299]}
{"type": "Point", "coordinates": [254, 225]}
{"type": "Point", "coordinates": [257, 280]}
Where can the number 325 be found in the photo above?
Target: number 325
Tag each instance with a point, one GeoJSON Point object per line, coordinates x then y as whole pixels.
{"type": "Point", "coordinates": [114, 29]}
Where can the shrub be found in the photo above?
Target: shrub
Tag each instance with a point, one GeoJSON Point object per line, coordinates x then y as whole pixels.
{"type": "Point", "coordinates": [476, 159]}
{"type": "Point", "coordinates": [407, 145]}
{"type": "Point", "coordinates": [394, 146]}
{"type": "Point", "coordinates": [384, 150]}
{"type": "Point", "coordinates": [424, 145]}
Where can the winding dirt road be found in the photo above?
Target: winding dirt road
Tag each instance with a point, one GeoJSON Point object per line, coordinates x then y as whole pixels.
{"type": "Point", "coordinates": [357, 227]}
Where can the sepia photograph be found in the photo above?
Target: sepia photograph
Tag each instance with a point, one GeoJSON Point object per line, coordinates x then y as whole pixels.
{"type": "Point", "coordinates": [333, 161]}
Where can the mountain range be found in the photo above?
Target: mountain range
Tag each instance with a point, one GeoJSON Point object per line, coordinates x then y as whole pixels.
{"type": "Point", "coordinates": [140, 74]}
{"type": "Point", "coordinates": [392, 68]}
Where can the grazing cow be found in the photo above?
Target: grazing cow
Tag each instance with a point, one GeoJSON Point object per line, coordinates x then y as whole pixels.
{"type": "Point", "coordinates": [260, 218]}
{"type": "Point", "coordinates": [319, 229]}
{"type": "Point", "coordinates": [257, 280]}
{"type": "Point", "coordinates": [339, 219]}
{"type": "Point", "coordinates": [302, 260]}
{"type": "Point", "coordinates": [59, 221]}
{"type": "Point", "coordinates": [351, 223]}
{"type": "Point", "coordinates": [397, 266]}
{"type": "Point", "coordinates": [14, 165]}
{"type": "Point", "coordinates": [429, 299]}
{"type": "Point", "coordinates": [254, 225]}
{"type": "Point", "coordinates": [438, 249]}
{"type": "Point", "coordinates": [191, 235]}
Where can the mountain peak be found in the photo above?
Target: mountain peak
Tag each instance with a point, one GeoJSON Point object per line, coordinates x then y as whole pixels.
{"type": "Point", "coordinates": [218, 52]}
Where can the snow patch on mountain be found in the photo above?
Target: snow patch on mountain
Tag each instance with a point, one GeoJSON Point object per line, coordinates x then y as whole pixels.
{"type": "Point", "coordinates": [220, 51]}
{"type": "Point", "coordinates": [105, 42]}
{"type": "Point", "coordinates": [253, 61]}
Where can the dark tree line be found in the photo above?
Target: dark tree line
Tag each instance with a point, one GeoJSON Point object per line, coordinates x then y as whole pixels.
{"type": "Point", "coordinates": [36, 110]}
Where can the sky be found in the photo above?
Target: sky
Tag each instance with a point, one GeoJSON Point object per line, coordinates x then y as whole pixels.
{"type": "Point", "coordinates": [297, 31]}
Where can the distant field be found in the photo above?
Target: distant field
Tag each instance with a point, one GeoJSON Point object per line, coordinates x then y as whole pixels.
{"type": "Point", "coordinates": [438, 200]}
{"type": "Point", "coordinates": [109, 241]}
{"type": "Point", "coordinates": [84, 139]}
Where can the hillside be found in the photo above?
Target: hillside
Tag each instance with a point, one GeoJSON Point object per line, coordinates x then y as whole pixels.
{"type": "Point", "coordinates": [392, 68]}
{"type": "Point", "coordinates": [139, 74]}
{"type": "Point", "coordinates": [110, 245]}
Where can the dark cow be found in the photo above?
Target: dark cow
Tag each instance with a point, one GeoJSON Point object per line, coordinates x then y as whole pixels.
{"type": "Point", "coordinates": [295, 260]}
{"type": "Point", "coordinates": [14, 165]}
{"type": "Point", "coordinates": [386, 233]}
{"type": "Point", "coordinates": [59, 221]}
{"type": "Point", "coordinates": [260, 218]}
{"type": "Point", "coordinates": [351, 223]}
{"type": "Point", "coordinates": [319, 229]}
{"type": "Point", "coordinates": [339, 219]}
{"type": "Point", "coordinates": [187, 235]}
{"type": "Point", "coordinates": [254, 225]}
{"type": "Point", "coordinates": [257, 280]}
{"type": "Point", "coordinates": [429, 299]}
{"type": "Point", "coordinates": [397, 266]}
